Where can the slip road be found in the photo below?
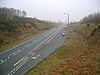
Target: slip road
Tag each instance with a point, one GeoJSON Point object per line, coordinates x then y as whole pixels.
{"type": "Point", "coordinates": [22, 57]}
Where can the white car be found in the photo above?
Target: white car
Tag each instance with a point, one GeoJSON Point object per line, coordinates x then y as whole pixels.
{"type": "Point", "coordinates": [63, 34]}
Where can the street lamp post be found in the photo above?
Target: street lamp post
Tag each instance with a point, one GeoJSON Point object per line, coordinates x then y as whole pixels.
{"type": "Point", "coordinates": [68, 17]}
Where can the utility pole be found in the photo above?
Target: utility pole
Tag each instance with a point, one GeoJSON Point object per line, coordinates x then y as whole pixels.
{"type": "Point", "coordinates": [68, 17]}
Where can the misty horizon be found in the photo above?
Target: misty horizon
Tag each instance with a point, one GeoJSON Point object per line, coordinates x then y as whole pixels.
{"type": "Point", "coordinates": [53, 10]}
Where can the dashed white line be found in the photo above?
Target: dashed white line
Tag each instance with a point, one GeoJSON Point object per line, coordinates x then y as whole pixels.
{"type": "Point", "coordinates": [18, 66]}
{"type": "Point", "coordinates": [16, 52]}
{"type": "Point", "coordinates": [35, 57]}
{"type": "Point", "coordinates": [22, 59]}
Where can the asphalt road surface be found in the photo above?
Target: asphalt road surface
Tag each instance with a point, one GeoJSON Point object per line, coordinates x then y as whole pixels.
{"type": "Point", "coordinates": [22, 57]}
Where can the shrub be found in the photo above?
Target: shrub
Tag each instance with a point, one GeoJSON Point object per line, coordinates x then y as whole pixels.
{"type": "Point", "coordinates": [98, 27]}
{"type": "Point", "coordinates": [1, 41]}
{"type": "Point", "coordinates": [93, 32]}
{"type": "Point", "coordinates": [88, 25]}
{"type": "Point", "coordinates": [9, 35]}
{"type": "Point", "coordinates": [34, 32]}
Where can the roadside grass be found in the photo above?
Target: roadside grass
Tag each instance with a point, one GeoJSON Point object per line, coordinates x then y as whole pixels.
{"type": "Point", "coordinates": [86, 62]}
{"type": "Point", "coordinates": [20, 39]}
{"type": "Point", "coordinates": [73, 45]}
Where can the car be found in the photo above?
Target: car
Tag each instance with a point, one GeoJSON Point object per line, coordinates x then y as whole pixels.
{"type": "Point", "coordinates": [63, 34]}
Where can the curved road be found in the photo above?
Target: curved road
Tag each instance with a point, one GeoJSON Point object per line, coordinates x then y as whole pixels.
{"type": "Point", "coordinates": [20, 58]}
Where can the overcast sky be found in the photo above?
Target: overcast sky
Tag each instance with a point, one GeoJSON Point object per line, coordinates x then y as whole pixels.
{"type": "Point", "coordinates": [54, 9]}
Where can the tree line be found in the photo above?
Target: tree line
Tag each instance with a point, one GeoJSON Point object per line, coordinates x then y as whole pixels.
{"type": "Point", "coordinates": [10, 12]}
{"type": "Point", "coordinates": [92, 18]}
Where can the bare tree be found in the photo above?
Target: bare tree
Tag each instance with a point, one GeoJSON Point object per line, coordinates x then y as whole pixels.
{"type": "Point", "coordinates": [24, 13]}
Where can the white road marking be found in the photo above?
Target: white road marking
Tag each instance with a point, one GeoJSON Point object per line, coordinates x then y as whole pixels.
{"type": "Point", "coordinates": [22, 59]}
{"type": "Point", "coordinates": [10, 55]}
{"type": "Point", "coordinates": [18, 66]}
{"type": "Point", "coordinates": [26, 46]}
{"type": "Point", "coordinates": [35, 57]}
{"type": "Point", "coordinates": [16, 52]}
{"type": "Point", "coordinates": [2, 61]}
{"type": "Point", "coordinates": [32, 53]}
